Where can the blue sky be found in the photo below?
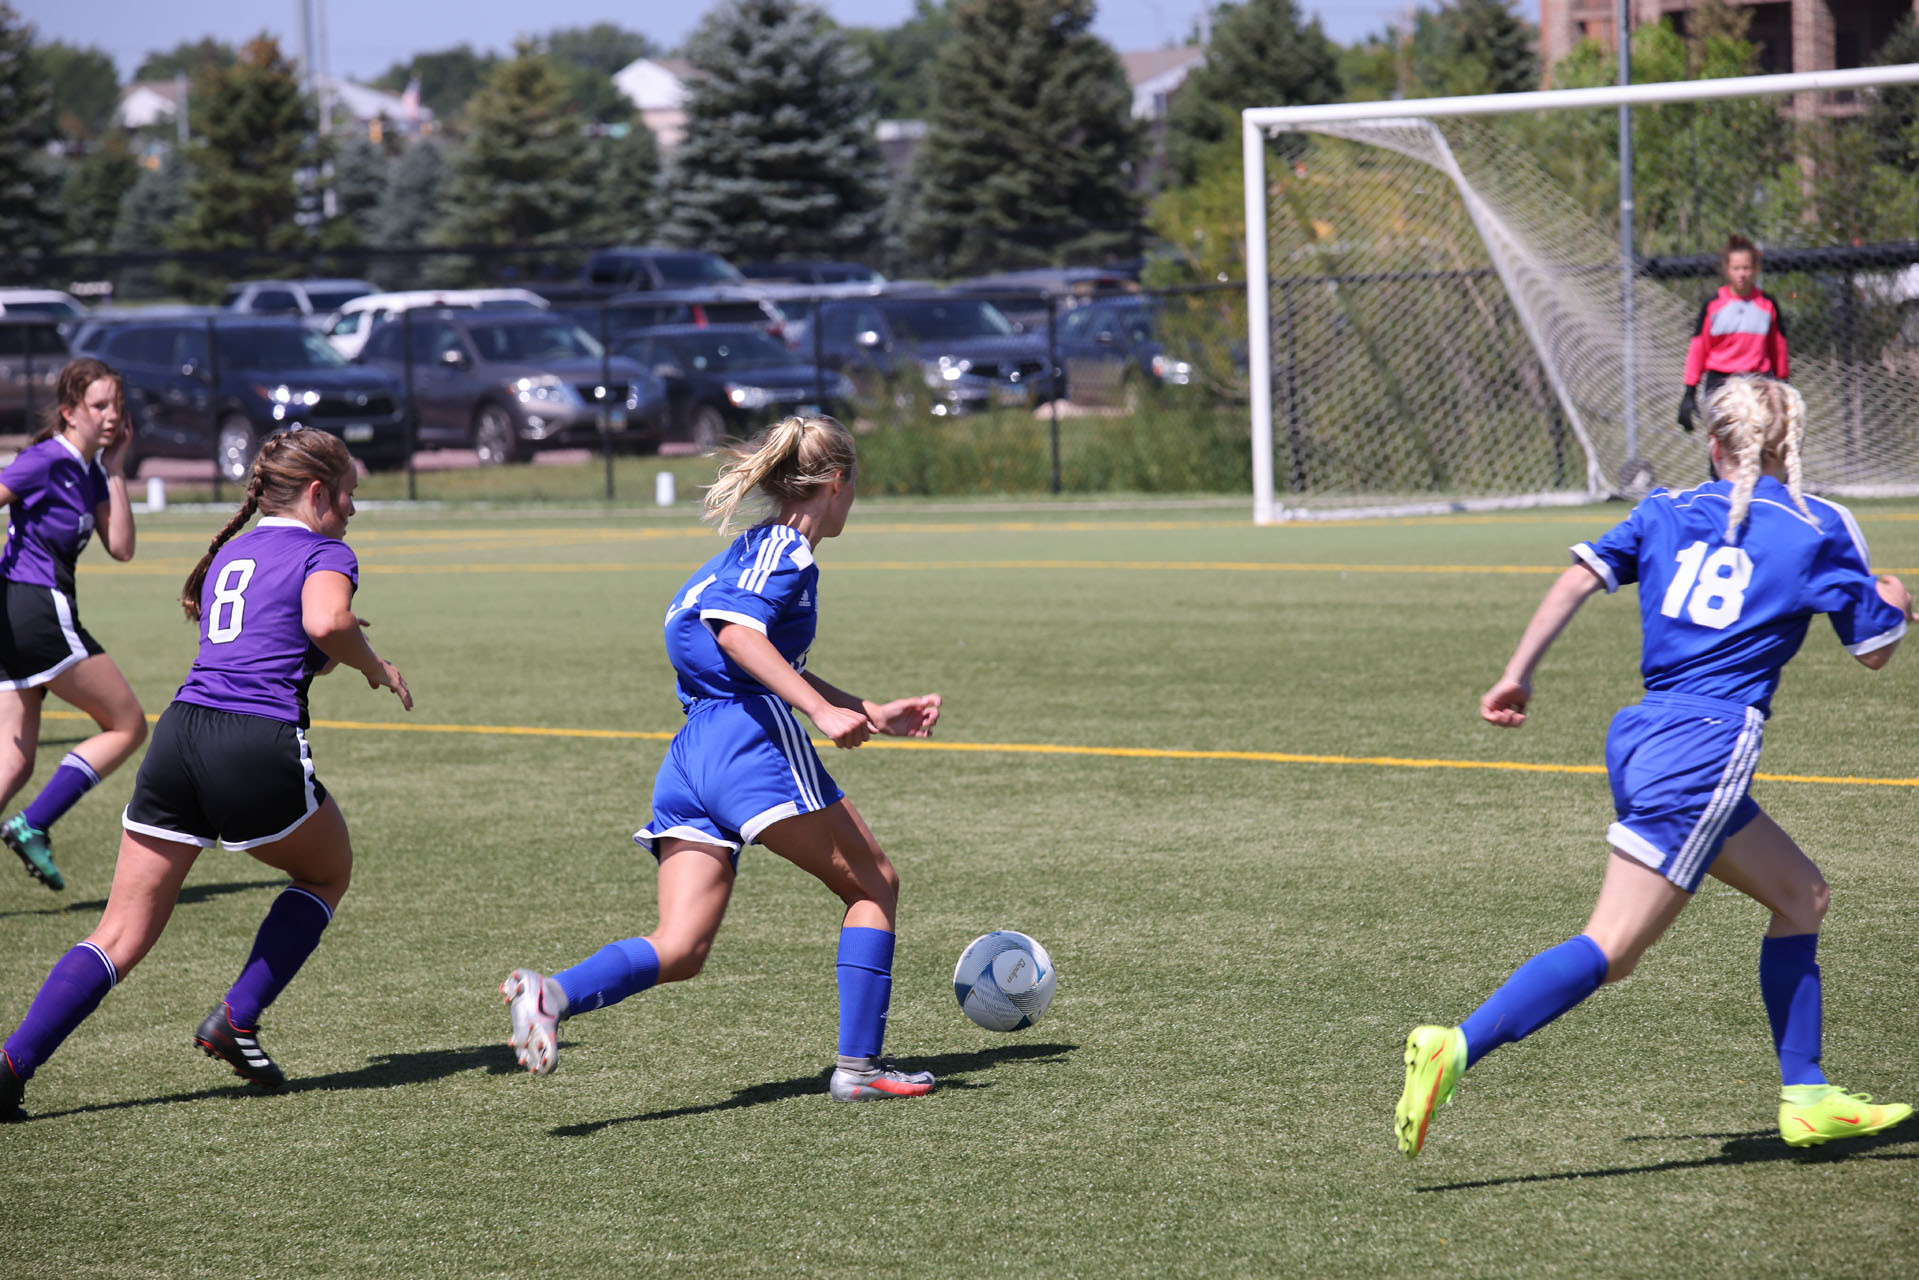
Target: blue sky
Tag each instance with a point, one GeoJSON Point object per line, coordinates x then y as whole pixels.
{"type": "Point", "coordinates": [364, 37]}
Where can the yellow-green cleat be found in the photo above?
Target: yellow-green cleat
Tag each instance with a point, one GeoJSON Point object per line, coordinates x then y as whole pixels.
{"type": "Point", "coordinates": [1810, 1114]}
{"type": "Point", "coordinates": [1435, 1059]}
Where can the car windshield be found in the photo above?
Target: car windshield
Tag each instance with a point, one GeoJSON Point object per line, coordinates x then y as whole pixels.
{"type": "Point", "coordinates": [276, 349]}
{"type": "Point", "coordinates": [685, 270]}
{"type": "Point", "coordinates": [735, 351]}
{"type": "Point", "coordinates": [525, 343]}
{"type": "Point", "coordinates": [325, 300]}
{"type": "Point", "coordinates": [49, 308]}
{"type": "Point", "coordinates": [957, 318]}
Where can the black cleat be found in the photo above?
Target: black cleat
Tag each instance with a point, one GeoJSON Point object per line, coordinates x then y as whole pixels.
{"type": "Point", "coordinates": [13, 1091]}
{"type": "Point", "coordinates": [217, 1037]}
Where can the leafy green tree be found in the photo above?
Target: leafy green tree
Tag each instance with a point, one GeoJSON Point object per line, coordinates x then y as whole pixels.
{"type": "Point", "coordinates": [779, 155]}
{"type": "Point", "coordinates": [1892, 112]}
{"type": "Point", "coordinates": [1376, 68]}
{"type": "Point", "coordinates": [524, 175]}
{"type": "Point", "coordinates": [626, 205]}
{"type": "Point", "coordinates": [1261, 55]}
{"type": "Point", "coordinates": [410, 207]}
{"type": "Point", "coordinates": [1030, 145]}
{"type": "Point", "coordinates": [86, 88]}
{"type": "Point", "coordinates": [1473, 46]}
{"type": "Point", "coordinates": [902, 59]}
{"type": "Point", "coordinates": [448, 78]}
{"type": "Point", "coordinates": [189, 58]}
{"type": "Point", "coordinates": [29, 186]}
{"type": "Point", "coordinates": [589, 57]}
{"type": "Point", "coordinates": [95, 186]}
{"type": "Point", "coordinates": [148, 212]}
{"type": "Point", "coordinates": [251, 127]}
{"type": "Point", "coordinates": [360, 183]}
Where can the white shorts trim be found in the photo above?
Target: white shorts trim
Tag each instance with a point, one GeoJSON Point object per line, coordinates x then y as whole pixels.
{"type": "Point", "coordinates": [76, 651]}
{"type": "Point", "coordinates": [1634, 846]}
{"type": "Point", "coordinates": [313, 802]}
{"type": "Point", "coordinates": [645, 838]}
{"type": "Point", "coordinates": [161, 833]}
{"type": "Point", "coordinates": [759, 822]}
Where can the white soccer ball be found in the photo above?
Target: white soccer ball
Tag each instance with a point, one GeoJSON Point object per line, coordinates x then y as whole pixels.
{"type": "Point", "coordinates": [1004, 981]}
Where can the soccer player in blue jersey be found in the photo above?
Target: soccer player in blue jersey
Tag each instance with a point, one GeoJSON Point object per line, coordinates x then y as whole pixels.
{"type": "Point", "coordinates": [1730, 575]}
{"type": "Point", "coordinates": [230, 763]}
{"type": "Point", "coordinates": [62, 487]}
{"type": "Point", "coordinates": [742, 770]}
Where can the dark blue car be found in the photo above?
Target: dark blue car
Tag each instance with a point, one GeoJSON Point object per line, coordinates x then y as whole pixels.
{"type": "Point", "coordinates": [726, 380]}
{"type": "Point", "coordinates": [1110, 353]}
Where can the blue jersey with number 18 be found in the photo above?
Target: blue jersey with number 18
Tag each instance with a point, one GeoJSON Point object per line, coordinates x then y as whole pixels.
{"type": "Point", "coordinates": [1721, 618]}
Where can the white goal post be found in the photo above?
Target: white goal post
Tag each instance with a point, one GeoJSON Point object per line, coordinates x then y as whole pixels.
{"type": "Point", "coordinates": [1531, 272]}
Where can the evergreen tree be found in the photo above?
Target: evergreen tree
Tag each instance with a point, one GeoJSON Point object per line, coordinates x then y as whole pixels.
{"type": "Point", "coordinates": [1892, 111]}
{"type": "Point", "coordinates": [1473, 46]}
{"type": "Point", "coordinates": [902, 58]}
{"type": "Point", "coordinates": [448, 78]}
{"type": "Point", "coordinates": [779, 156]}
{"type": "Point", "coordinates": [524, 175]}
{"type": "Point", "coordinates": [86, 88]}
{"type": "Point", "coordinates": [1261, 55]}
{"type": "Point", "coordinates": [29, 185]}
{"type": "Point", "coordinates": [411, 205]}
{"type": "Point", "coordinates": [148, 212]}
{"type": "Point", "coordinates": [95, 186]}
{"type": "Point", "coordinates": [251, 127]}
{"type": "Point", "coordinates": [589, 58]}
{"type": "Point", "coordinates": [626, 201]}
{"type": "Point", "coordinates": [360, 183]}
{"type": "Point", "coordinates": [1030, 144]}
{"type": "Point", "coordinates": [189, 58]}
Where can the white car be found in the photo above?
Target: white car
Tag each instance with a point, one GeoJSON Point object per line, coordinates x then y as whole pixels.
{"type": "Point", "coordinates": [63, 307]}
{"type": "Point", "coordinates": [348, 327]}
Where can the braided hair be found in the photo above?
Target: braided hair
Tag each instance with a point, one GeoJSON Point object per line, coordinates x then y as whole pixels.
{"type": "Point", "coordinates": [786, 462]}
{"type": "Point", "coordinates": [287, 463]}
{"type": "Point", "coordinates": [1757, 420]}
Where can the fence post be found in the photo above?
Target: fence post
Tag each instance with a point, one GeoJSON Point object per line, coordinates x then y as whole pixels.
{"type": "Point", "coordinates": [817, 333]}
{"type": "Point", "coordinates": [606, 393]}
{"type": "Point", "coordinates": [408, 419]}
{"type": "Point", "coordinates": [26, 344]}
{"type": "Point", "coordinates": [213, 399]}
{"type": "Point", "coordinates": [1052, 371]}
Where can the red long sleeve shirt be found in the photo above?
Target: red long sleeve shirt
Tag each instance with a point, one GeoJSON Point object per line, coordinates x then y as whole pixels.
{"type": "Point", "coordinates": [1737, 335]}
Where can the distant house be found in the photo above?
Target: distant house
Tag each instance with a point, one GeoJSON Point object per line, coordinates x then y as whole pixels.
{"type": "Point", "coordinates": [150, 102]}
{"type": "Point", "coordinates": [1155, 74]}
{"type": "Point", "coordinates": [145, 103]}
{"type": "Point", "coordinates": [657, 88]}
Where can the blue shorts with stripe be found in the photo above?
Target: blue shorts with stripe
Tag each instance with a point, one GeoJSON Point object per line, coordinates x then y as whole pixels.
{"type": "Point", "coordinates": [1680, 767]}
{"type": "Point", "coordinates": [732, 771]}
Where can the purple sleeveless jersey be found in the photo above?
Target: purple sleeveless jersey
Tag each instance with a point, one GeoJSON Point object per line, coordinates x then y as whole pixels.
{"type": "Point", "coordinates": [55, 493]}
{"type": "Point", "coordinates": [255, 657]}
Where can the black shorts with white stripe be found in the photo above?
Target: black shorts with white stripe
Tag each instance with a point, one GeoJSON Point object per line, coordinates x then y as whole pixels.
{"type": "Point", "coordinates": [40, 635]}
{"type": "Point", "coordinates": [212, 775]}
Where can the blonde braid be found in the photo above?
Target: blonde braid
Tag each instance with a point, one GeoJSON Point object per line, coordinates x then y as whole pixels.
{"type": "Point", "coordinates": [1792, 409]}
{"type": "Point", "coordinates": [1756, 418]}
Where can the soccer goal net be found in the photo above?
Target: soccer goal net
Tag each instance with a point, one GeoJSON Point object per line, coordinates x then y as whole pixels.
{"type": "Point", "coordinates": [1438, 318]}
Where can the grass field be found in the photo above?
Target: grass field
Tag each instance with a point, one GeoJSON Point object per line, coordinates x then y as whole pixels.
{"type": "Point", "coordinates": [1232, 777]}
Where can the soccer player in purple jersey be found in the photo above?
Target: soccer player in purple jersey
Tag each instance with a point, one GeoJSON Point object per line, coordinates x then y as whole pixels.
{"type": "Point", "coordinates": [62, 487]}
{"type": "Point", "coordinates": [741, 769]}
{"type": "Point", "coordinates": [1730, 575]}
{"type": "Point", "coordinates": [230, 763]}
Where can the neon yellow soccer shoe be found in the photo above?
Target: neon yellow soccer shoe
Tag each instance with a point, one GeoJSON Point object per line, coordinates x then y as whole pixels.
{"type": "Point", "coordinates": [1435, 1058]}
{"type": "Point", "coordinates": [1810, 1114]}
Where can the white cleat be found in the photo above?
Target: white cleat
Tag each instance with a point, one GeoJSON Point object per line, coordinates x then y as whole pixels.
{"type": "Point", "coordinates": [536, 1021]}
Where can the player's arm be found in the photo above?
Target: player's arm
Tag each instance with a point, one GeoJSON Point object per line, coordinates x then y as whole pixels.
{"type": "Point", "coordinates": [912, 717]}
{"type": "Point", "coordinates": [326, 613]}
{"type": "Point", "coordinates": [750, 651]}
{"type": "Point", "coordinates": [1894, 593]}
{"type": "Point", "coordinates": [114, 517]}
{"type": "Point", "coordinates": [1505, 703]}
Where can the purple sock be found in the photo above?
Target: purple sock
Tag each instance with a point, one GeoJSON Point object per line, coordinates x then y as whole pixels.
{"type": "Point", "coordinates": [73, 779]}
{"type": "Point", "coordinates": [286, 938]}
{"type": "Point", "coordinates": [865, 972]}
{"type": "Point", "coordinates": [1789, 985]}
{"type": "Point", "coordinates": [80, 980]}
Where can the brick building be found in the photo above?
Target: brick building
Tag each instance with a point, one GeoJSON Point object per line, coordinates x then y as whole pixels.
{"type": "Point", "coordinates": [1792, 35]}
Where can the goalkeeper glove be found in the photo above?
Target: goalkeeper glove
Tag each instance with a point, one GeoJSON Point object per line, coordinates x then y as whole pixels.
{"type": "Point", "coordinates": [1689, 410]}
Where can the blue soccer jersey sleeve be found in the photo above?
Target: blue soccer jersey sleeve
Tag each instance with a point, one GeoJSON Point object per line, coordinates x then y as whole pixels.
{"type": "Point", "coordinates": [1615, 557]}
{"type": "Point", "coordinates": [1841, 585]}
{"type": "Point", "coordinates": [765, 586]}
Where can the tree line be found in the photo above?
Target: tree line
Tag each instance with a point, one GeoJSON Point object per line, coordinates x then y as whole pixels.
{"type": "Point", "coordinates": [1030, 154]}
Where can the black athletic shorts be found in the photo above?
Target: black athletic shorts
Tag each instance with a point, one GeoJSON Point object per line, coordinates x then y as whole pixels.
{"type": "Point", "coordinates": [40, 635]}
{"type": "Point", "coordinates": [220, 776]}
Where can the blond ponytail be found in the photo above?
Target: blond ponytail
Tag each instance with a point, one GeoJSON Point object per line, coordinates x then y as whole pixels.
{"type": "Point", "coordinates": [786, 462]}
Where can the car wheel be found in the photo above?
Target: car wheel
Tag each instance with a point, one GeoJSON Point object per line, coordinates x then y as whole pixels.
{"type": "Point", "coordinates": [234, 447]}
{"type": "Point", "coordinates": [493, 436]}
{"type": "Point", "coordinates": [708, 426]}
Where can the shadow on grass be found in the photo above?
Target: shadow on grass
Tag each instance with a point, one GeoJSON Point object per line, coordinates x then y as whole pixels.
{"type": "Point", "coordinates": [191, 894]}
{"type": "Point", "coordinates": [947, 1066]}
{"type": "Point", "coordinates": [1759, 1146]}
{"type": "Point", "coordinates": [383, 1071]}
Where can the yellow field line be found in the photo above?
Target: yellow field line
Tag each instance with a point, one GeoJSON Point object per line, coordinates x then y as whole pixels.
{"type": "Point", "coordinates": [1049, 749]}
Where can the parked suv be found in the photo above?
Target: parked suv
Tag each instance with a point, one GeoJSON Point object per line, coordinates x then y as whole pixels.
{"type": "Point", "coordinates": [196, 389]}
{"type": "Point", "coordinates": [314, 299]}
{"type": "Point", "coordinates": [347, 330]}
{"type": "Point", "coordinates": [627, 313]}
{"type": "Point", "coordinates": [728, 379]}
{"type": "Point", "coordinates": [632, 269]}
{"type": "Point", "coordinates": [963, 350]}
{"type": "Point", "coordinates": [506, 383]}
{"type": "Point", "coordinates": [31, 354]}
{"type": "Point", "coordinates": [1110, 353]}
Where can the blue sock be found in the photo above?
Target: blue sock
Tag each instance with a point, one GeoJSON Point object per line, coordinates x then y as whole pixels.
{"type": "Point", "coordinates": [1540, 990]}
{"type": "Point", "coordinates": [73, 779]}
{"type": "Point", "coordinates": [865, 971]}
{"type": "Point", "coordinates": [285, 939]}
{"type": "Point", "coordinates": [80, 980]}
{"type": "Point", "coordinates": [1789, 984]}
{"type": "Point", "coordinates": [609, 975]}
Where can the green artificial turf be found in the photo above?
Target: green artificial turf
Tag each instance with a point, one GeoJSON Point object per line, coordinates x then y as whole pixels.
{"type": "Point", "coordinates": [1242, 942]}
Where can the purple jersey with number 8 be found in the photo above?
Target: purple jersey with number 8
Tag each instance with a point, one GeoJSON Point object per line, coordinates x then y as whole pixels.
{"type": "Point", "coordinates": [255, 656]}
